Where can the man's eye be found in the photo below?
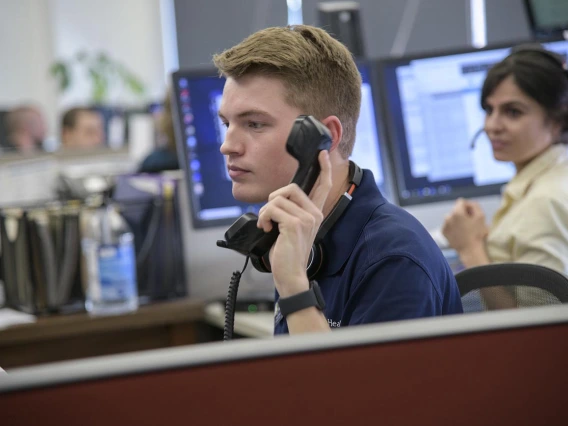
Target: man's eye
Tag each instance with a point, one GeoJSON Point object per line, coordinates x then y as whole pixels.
{"type": "Point", "coordinates": [225, 124]}
{"type": "Point", "coordinates": [512, 112]}
{"type": "Point", "coordinates": [255, 125]}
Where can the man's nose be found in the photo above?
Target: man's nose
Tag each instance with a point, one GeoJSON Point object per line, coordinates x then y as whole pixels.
{"type": "Point", "coordinates": [231, 145]}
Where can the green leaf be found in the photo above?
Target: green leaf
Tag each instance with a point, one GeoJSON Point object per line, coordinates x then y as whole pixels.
{"type": "Point", "coordinates": [99, 91]}
{"type": "Point", "coordinates": [60, 71]}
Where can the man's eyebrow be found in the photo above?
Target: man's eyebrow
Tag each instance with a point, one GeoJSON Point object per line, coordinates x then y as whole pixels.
{"type": "Point", "coordinates": [248, 113]}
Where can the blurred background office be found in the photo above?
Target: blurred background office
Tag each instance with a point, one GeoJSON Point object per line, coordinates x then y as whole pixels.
{"type": "Point", "coordinates": [88, 106]}
{"type": "Point", "coordinates": [155, 37]}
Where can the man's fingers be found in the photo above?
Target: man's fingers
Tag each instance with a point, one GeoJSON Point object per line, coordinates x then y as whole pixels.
{"type": "Point", "coordinates": [295, 211]}
{"type": "Point", "coordinates": [323, 184]}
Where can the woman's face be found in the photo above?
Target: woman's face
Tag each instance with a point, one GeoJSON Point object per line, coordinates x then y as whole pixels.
{"type": "Point", "coordinates": [517, 125]}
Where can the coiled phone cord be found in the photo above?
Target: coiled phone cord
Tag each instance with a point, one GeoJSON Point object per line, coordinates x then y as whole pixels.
{"type": "Point", "coordinates": [231, 302]}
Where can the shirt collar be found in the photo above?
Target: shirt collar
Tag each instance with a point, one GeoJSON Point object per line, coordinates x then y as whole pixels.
{"type": "Point", "coordinates": [342, 238]}
{"type": "Point", "coordinates": [521, 182]}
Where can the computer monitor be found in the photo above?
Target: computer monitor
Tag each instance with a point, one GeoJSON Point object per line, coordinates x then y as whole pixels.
{"type": "Point", "coordinates": [200, 133]}
{"type": "Point", "coordinates": [433, 112]}
{"type": "Point", "coordinates": [547, 18]}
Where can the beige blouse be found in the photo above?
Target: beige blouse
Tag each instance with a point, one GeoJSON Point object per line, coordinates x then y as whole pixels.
{"type": "Point", "coordinates": [531, 225]}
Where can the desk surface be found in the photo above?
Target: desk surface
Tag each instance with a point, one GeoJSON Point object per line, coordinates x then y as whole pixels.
{"type": "Point", "coordinates": [164, 324]}
{"type": "Point", "coordinates": [65, 326]}
{"type": "Point", "coordinates": [257, 324]}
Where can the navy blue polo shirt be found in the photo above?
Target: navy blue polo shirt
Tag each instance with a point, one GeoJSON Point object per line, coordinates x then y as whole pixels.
{"type": "Point", "coordinates": [380, 264]}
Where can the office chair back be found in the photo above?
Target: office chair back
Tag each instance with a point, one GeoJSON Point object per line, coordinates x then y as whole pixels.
{"type": "Point", "coordinates": [519, 283]}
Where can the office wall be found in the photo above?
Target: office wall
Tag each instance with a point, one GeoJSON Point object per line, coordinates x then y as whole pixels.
{"type": "Point", "coordinates": [208, 26]}
{"type": "Point", "coordinates": [127, 30]}
{"type": "Point", "coordinates": [438, 24]}
{"type": "Point", "coordinates": [25, 54]}
{"type": "Point", "coordinates": [506, 21]}
{"type": "Point", "coordinates": [205, 27]}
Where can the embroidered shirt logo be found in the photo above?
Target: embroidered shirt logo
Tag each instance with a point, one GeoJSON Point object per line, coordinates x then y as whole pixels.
{"type": "Point", "coordinates": [334, 324]}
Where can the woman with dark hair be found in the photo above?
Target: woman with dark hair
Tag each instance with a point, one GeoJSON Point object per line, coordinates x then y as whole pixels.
{"type": "Point", "coordinates": [525, 98]}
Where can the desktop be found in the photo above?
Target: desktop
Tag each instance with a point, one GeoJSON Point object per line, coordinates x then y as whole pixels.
{"type": "Point", "coordinates": [199, 135]}
{"type": "Point", "coordinates": [433, 112]}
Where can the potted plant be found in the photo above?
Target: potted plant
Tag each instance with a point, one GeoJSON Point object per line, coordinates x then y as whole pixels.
{"type": "Point", "coordinates": [103, 72]}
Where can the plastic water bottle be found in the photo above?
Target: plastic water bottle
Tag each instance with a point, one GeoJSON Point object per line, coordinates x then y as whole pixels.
{"type": "Point", "coordinates": [109, 260]}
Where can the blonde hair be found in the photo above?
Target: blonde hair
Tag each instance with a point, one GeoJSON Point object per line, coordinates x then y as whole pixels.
{"type": "Point", "coordinates": [318, 72]}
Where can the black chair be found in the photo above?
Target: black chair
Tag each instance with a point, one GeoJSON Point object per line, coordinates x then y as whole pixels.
{"type": "Point", "coordinates": [510, 285]}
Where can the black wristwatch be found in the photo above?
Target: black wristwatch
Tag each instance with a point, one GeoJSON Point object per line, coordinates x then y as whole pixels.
{"type": "Point", "coordinates": [306, 299]}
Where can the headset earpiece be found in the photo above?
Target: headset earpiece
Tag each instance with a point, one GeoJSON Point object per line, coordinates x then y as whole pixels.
{"type": "Point", "coordinates": [315, 262]}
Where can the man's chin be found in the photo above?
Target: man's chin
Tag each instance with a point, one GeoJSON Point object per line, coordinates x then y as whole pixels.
{"type": "Point", "coordinates": [248, 197]}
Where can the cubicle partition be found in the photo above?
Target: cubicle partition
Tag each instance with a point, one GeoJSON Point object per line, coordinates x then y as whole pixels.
{"type": "Point", "coordinates": [501, 368]}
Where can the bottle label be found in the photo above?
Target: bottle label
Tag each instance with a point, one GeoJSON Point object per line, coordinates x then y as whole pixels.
{"type": "Point", "coordinates": [117, 272]}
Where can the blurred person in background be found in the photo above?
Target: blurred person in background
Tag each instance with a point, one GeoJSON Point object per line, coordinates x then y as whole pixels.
{"type": "Point", "coordinates": [164, 157]}
{"type": "Point", "coordinates": [82, 128]}
{"type": "Point", "coordinates": [26, 129]}
{"type": "Point", "coordinates": [525, 99]}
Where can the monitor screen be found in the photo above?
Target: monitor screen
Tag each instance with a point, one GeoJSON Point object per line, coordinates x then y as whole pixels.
{"type": "Point", "coordinates": [433, 109]}
{"type": "Point", "coordinates": [197, 96]}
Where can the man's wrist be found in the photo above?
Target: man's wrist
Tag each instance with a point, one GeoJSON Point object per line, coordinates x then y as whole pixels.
{"type": "Point", "coordinates": [308, 299]}
{"type": "Point", "coordinates": [292, 287]}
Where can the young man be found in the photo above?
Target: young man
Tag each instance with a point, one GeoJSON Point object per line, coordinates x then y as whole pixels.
{"type": "Point", "coordinates": [82, 128]}
{"type": "Point", "coordinates": [380, 263]}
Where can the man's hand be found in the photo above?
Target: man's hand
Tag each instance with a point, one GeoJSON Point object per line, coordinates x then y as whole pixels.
{"type": "Point", "coordinates": [299, 217]}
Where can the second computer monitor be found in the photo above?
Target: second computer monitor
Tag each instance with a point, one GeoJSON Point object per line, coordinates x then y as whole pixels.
{"type": "Point", "coordinates": [434, 113]}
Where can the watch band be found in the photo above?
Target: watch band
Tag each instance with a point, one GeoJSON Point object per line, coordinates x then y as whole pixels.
{"type": "Point", "coordinates": [304, 300]}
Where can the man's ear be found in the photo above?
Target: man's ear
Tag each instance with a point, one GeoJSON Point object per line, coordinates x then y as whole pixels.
{"type": "Point", "coordinates": [336, 130]}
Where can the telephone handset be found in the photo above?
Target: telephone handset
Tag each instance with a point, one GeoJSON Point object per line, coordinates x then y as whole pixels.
{"type": "Point", "coordinates": [307, 138]}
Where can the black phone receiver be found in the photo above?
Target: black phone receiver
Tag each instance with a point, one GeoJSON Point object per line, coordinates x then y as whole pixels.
{"type": "Point", "coordinates": [307, 138]}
